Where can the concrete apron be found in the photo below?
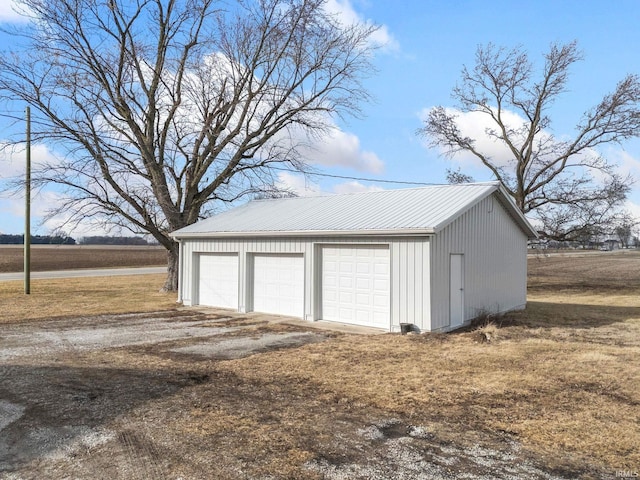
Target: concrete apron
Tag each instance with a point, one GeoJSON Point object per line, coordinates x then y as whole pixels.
{"type": "Point", "coordinates": [271, 318]}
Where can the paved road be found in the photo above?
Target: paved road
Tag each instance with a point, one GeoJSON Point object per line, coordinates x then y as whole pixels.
{"type": "Point", "coordinates": [102, 272]}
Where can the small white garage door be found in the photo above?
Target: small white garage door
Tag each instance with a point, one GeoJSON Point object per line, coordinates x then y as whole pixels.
{"type": "Point", "coordinates": [218, 280]}
{"type": "Point", "coordinates": [355, 285]}
{"type": "Point", "coordinates": [278, 284]}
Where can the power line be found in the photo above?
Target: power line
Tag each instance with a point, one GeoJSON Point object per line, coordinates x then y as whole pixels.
{"type": "Point", "coordinates": [344, 177]}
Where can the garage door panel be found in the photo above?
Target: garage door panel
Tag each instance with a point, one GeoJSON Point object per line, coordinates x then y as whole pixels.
{"type": "Point", "coordinates": [346, 268]}
{"type": "Point", "coordinates": [346, 282]}
{"type": "Point", "coordinates": [345, 297]}
{"type": "Point", "coordinates": [346, 315]}
{"type": "Point", "coordinates": [363, 299]}
{"type": "Point", "coordinates": [279, 284]}
{"type": "Point", "coordinates": [380, 318]}
{"type": "Point", "coordinates": [362, 267]}
{"type": "Point", "coordinates": [380, 302]}
{"type": "Point", "coordinates": [218, 280]}
{"type": "Point", "coordinates": [381, 285]}
{"type": "Point", "coordinates": [356, 285]}
{"type": "Point", "coordinates": [331, 296]}
{"type": "Point", "coordinates": [271, 291]}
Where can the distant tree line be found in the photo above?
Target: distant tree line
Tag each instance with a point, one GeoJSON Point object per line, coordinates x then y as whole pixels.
{"type": "Point", "coordinates": [105, 240]}
{"type": "Point", "coordinates": [66, 240]}
{"type": "Point", "coordinates": [37, 240]}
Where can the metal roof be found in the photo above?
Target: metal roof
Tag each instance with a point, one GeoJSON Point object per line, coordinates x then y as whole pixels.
{"type": "Point", "coordinates": [424, 210]}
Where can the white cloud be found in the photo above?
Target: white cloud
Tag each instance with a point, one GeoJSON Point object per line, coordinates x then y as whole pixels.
{"type": "Point", "coordinates": [10, 12]}
{"type": "Point", "coordinates": [13, 158]}
{"type": "Point", "coordinates": [41, 202]}
{"type": "Point", "coordinates": [298, 184]}
{"type": "Point", "coordinates": [331, 147]}
{"type": "Point", "coordinates": [12, 212]}
{"type": "Point", "coordinates": [302, 187]}
{"type": "Point", "coordinates": [627, 163]}
{"type": "Point", "coordinates": [47, 200]}
{"type": "Point", "coordinates": [12, 209]}
{"type": "Point", "coordinates": [474, 125]}
{"type": "Point", "coordinates": [633, 208]}
{"type": "Point", "coordinates": [339, 148]}
{"type": "Point", "coordinates": [345, 12]}
{"type": "Point", "coordinates": [355, 187]}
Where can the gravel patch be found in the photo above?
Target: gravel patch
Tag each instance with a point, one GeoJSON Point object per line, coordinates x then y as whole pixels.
{"type": "Point", "coordinates": [407, 452]}
{"type": "Point", "coordinates": [117, 331]}
{"type": "Point", "coordinates": [9, 413]}
{"type": "Point", "coordinates": [243, 346]}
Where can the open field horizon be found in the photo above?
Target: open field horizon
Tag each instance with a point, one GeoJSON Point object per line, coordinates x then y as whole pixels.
{"type": "Point", "coordinates": [71, 257]}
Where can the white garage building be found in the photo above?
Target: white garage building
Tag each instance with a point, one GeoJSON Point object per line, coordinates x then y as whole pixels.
{"type": "Point", "coordinates": [434, 257]}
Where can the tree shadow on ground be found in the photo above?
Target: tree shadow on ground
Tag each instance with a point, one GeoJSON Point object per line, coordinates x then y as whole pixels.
{"type": "Point", "coordinates": [182, 420]}
{"type": "Point", "coordinates": [45, 408]}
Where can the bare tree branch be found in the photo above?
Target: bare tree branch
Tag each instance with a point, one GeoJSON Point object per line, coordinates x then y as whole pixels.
{"type": "Point", "coordinates": [544, 174]}
{"type": "Point", "coordinates": [162, 110]}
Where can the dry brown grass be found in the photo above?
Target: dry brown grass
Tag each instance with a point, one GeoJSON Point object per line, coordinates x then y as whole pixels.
{"type": "Point", "coordinates": [83, 296]}
{"type": "Point", "coordinates": [608, 273]}
{"type": "Point", "coordinates": [578, 399]}
{"type": "Point", "coordinates": [562, 377]}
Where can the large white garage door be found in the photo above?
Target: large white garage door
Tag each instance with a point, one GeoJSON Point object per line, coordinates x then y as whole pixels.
{"type": "Point", "coordinates": [279, 284]}
{"type": "Point", "coordinates": [218, 280]}
{"type": "Point", "coordinates": [355, 285]}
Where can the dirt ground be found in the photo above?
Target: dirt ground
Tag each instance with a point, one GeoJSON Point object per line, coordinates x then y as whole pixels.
{"type": "Point", "coordinates": [71, 257]}
{"type": "Point", "coordinates": [149, 396]}
{"type": "Point", "coordinates": [548, 393]}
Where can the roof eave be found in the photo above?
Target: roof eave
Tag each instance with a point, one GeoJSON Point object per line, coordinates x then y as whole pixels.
{"type": "Point", "coordinates": [517, 214]}
{"type": "Point", "coordinates": [507, 202]}
{"type": "Point", "coordinates": [307, 233]}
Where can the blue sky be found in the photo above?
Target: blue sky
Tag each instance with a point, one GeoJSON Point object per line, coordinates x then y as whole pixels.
{"type": "Point", "coordinates": [427, 43]}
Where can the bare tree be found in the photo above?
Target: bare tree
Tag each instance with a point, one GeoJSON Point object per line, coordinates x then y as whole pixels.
{"type": "Point", "coordinates": [457, 176]}
{"type": "Point", "coordinates": [623, 228]}
{"type": "Point", "coordinates": [162, 109]}
{"type": "Point", "coordinates": [580, 220]}
{"type": "Point", "coordinates": [552, 176]}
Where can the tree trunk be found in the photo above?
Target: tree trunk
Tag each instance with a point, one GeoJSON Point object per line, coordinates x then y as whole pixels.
{"type": "Point", "coordinates": [171, 284]}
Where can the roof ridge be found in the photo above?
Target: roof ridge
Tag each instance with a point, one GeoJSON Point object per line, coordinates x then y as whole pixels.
{"type": "Point", "coordinates": [329, 194]}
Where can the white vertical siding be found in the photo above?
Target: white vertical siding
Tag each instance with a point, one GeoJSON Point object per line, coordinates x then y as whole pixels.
{"type": "Point", "coordinates": [410, 282]}
{"type": "Point", "coordinates": [495, 263]}
{"type": "Point", "coordinates": [410, 279]}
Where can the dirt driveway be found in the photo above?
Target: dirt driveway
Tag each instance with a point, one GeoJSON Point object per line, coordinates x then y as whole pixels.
{"type": "Point", "coordinates": [147, 396]}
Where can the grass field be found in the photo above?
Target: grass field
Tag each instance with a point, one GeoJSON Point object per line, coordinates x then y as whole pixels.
{"type": "Point", "coordinates": [562, 378]}
{"type": "Point", "coordinates": [68, 257]}
{"type": "Point", "coordinates": [83, 296]}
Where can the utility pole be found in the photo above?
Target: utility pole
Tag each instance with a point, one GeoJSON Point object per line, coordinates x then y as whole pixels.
{"type": "Point", "coordinates": [27, 212]}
